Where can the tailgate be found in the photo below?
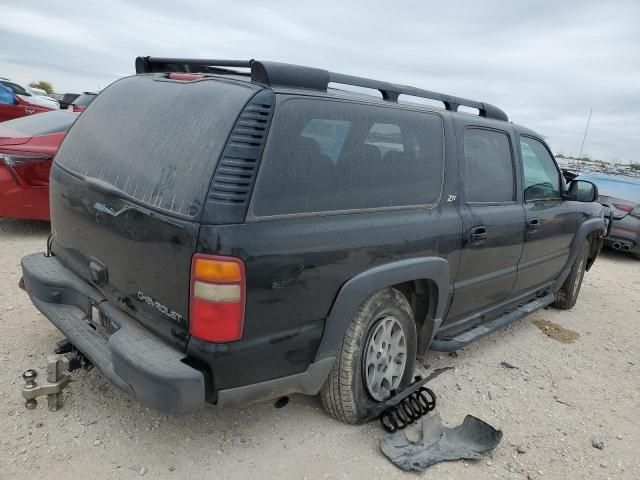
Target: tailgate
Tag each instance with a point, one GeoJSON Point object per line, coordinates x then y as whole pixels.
{"type": "Point", "coordinates": [127, 188]}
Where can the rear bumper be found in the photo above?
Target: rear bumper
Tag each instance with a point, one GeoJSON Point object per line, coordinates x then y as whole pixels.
{"type": "Point", "coordinates": [625, 235]}
{"type": "Point", "coordinates": [132, 358]}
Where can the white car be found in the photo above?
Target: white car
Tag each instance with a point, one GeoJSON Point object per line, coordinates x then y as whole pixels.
{"type": "Point", "coordinates": [43, 94]}
{"type": "Point", "coordinates": [29, 97]}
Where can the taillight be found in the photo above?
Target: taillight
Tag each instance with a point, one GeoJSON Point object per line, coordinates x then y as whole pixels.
{"type": "Point", "coordinates": [32, 167]}
{"type": "Point", "coordinates": [21, 159]}
{"type": "Point", "coordinates": [216, 311]}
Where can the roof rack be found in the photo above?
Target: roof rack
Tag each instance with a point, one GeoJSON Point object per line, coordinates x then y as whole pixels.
{"type": "Point", "coordinates": [288, 75]}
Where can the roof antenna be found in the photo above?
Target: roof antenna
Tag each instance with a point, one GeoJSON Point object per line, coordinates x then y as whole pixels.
{"type": "Point", "coordinates": [585, 134]}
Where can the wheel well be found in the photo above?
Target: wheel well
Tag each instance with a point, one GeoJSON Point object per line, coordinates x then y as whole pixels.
{"type": "Point", "coordinates": [595, 243]}
{"type": "Point", "coordinates": [422, 295]}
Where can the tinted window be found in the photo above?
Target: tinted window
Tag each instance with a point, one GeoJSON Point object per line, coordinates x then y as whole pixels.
{"type": "Point", "coordinates": [488, 166]}
{"type": "Point", "coordinates": [157, 141]}
{"type": "Point", "coordinates": [84, 99]}
{"type": "Point", "coordinates": [329, 134]}
{"type": "Point", "coordinates": [58, 121]}
{"type": "Point", "coordinates": [329, 156]}
{"type": "Point", "coordinates": [17, 89]}
{"type": "Point", "coordinates": [541, 177]}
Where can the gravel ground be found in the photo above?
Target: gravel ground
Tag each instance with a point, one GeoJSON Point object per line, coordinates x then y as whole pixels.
{"type": "Point", "coordinates": [560, 400]}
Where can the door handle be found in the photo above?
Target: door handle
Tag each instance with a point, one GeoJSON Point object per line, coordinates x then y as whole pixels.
{"type": "Point", "coordinates": [29, 111]}
{"type": "Point", "coordinates": [478, 235]}
{"type": "Point", "coordinates": [533, 225]}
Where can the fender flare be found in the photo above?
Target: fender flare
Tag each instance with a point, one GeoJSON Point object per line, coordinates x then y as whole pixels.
{"type": "Point", "coordinates": [365, 284]}
{"type": "Point", "coordinates": [584, 230]}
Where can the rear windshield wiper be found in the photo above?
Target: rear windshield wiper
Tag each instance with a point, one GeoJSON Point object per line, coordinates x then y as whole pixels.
{"type": "Point", "coordinates": [105, 187]}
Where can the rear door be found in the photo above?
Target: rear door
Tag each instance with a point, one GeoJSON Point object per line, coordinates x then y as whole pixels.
{"type": "Point", "coordinates": [127, 190]}
{"type": "Point", "coordinates": [492, 217]}
{"type": "Point", "coordinates": [551, 221]}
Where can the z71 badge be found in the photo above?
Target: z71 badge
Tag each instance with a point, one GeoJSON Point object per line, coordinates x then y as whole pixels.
{"type": "Point", "coordinates": [160, 307]}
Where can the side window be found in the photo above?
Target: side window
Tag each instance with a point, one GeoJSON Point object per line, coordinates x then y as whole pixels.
{"type": "Point", "coordinates": [488, 166]}
{"type": "Point", "coordinates": [541, 176]}
{"type": "Point", "coordinates": [329, 134]}
{"type": "Point", "coordinates": [325, 156]}
{"type": "Point", "coordinates": [386, 136]}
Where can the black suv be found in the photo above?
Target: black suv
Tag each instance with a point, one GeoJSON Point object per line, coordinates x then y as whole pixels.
{"type": "Point", "coordinates": [229, 231]}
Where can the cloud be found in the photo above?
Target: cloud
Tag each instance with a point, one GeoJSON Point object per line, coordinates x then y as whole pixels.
{"type": "Point", "coordinates": [546, 64]}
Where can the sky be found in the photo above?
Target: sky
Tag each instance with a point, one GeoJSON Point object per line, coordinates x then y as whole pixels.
{"type": "Point", "coordinates": [546, 63]}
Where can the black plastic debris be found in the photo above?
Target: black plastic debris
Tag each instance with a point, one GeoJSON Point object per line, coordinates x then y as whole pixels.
{"type": "Point", "coordinates": [507, 365]}
{"type": "Point", "coordinates": [440, 443]}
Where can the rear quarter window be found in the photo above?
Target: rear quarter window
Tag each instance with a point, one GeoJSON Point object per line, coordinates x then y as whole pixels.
{"type": "Point", "coordinates": [326, 156]}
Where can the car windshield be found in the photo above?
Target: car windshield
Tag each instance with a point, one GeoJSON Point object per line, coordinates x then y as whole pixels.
{"type": "Point", "coordinates": [58, 121]}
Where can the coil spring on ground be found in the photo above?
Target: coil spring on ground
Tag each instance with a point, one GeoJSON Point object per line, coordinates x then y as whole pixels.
{"type": "Point", "coordinates": [410, 409]}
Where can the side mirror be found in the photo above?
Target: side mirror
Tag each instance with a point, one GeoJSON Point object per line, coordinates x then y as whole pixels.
{"type": "Point", "coordinates": [583, 191]}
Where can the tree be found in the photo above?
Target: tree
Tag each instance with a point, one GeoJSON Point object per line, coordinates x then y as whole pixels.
{"type": "Point", "coordinates": [43, 85]}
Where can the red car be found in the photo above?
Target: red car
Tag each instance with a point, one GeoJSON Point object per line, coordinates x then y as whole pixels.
{"type": "Point", "coordinates": [27, 146]}
{"type": "Point", "coordinates": [19, 108]}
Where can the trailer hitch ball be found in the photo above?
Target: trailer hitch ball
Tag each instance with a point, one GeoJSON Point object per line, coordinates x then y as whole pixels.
{"type": "Point", "coordinates": [57, 379]}
{"type": "Point", "coordinates": [29, 378]}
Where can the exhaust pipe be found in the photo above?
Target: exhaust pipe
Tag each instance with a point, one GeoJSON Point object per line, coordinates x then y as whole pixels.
{"type": "Point", "coordinates": [617, 245]}
{"type": "Point", "coordinates": [626, 247]}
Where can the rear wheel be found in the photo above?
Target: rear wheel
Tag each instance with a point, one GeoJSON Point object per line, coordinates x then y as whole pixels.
{"type": "Point", "coordinates": [377, 356]}
{"type": "Point", "coordinates": [568, 294]}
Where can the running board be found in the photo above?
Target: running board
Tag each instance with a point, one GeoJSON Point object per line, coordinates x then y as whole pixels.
{"type": "Point", "coordinates": [462, 340]}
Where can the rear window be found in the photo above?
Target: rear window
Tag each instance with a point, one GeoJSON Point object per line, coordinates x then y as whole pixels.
{"type": "Point", "coordinates": [84, 99]}
{"type": "Point", "coordinates": [332, 156]}
{"type": "Point", "coordinates": [157, 141]}
{"type": "Point", "coordinates": [45, 123]}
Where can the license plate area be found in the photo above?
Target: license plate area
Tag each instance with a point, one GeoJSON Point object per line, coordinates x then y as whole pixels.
{"type": "Point", "coordinates": [100, 321]}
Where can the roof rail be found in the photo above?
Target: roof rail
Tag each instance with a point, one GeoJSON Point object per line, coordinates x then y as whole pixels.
{"type": "Point", "coordinates": [188, 65]}
{"type": "Point", "coordinates": [284, 74]}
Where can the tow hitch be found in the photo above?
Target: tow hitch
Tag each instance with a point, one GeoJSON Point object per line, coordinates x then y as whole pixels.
{"type": "Point", "coordinates": [58, 368]}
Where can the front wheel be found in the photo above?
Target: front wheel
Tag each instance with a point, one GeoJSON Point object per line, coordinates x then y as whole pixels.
{"type": "Point", "coordinates": [568, 294]}
{"type": "Point", "coordinates": [377, 356]}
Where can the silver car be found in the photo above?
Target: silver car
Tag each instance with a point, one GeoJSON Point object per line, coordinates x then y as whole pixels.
{"type": "Point", "coordinates": [622, 195]}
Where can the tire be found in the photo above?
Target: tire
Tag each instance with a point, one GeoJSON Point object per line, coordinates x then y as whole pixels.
{"type": "Point", "coordinates": [568, 294]}
{"type": "Point", "coordinates": [345, 394]}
